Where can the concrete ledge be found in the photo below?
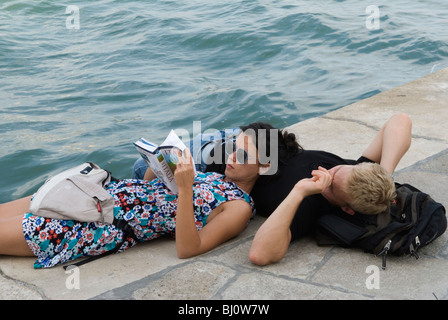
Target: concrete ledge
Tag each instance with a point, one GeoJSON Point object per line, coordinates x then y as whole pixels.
{"type": "Point", "coordinates": [152, 270]}
{"type": "Point", "coordinates": [347, 131]}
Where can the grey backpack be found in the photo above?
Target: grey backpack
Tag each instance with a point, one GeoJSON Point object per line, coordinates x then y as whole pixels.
{"type": "Point", "coordinates": [76, 194]}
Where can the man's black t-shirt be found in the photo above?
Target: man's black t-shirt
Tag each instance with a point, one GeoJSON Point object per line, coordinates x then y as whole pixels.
{"type": "Point", "coordinates": [270, 193]}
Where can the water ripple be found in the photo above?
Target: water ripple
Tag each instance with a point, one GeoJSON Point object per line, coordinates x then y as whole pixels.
{"type": "Point", "coordinates": [143, 67]}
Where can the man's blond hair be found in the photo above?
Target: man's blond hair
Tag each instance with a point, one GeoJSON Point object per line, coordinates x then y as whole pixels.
{"type": "Point", "coordinates": [370, 188]}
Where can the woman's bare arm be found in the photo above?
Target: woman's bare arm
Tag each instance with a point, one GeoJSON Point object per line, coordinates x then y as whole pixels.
{"type": "Point", "coordinates": [230, 218]}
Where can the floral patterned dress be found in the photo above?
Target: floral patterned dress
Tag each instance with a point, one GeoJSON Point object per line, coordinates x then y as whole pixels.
{"type": "Point", "coordinates": [147, 206]}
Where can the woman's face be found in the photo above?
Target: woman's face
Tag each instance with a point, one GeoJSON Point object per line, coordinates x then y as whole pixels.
{"type": "Point", "coordinates": [243, 162]}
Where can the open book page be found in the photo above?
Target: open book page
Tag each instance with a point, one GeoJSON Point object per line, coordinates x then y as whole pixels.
{"type": "Point", "coordinates": [162, 159]}
{"type": "Point", "coordinates": [155, 160]}
{"type": "Point", "coordinates": [171, 148]}
{"type": "Point", "coordinates": [173, 140]}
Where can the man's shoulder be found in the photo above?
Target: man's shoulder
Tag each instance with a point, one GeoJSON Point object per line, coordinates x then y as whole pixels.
{"type": "Point", "coordinates": [312, 159]}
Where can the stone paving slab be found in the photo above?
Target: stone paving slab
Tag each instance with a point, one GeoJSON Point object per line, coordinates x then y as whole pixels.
{"type": "Point", "coordinates": [153, 271]}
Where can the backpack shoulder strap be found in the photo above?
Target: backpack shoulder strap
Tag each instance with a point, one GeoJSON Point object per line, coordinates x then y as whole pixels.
{"type": "Point", "coordinates": [333, 229]}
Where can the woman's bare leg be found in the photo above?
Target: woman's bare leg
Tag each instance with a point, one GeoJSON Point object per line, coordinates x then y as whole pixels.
{"type": "Point", "coordinates": [12, 240]}
{"type": "Point", "coordinates": [391, 143]}
{"type": "Point", "coordinates": [15, 208]}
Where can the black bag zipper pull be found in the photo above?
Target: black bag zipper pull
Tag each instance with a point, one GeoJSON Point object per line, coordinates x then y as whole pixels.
{"type": "Point", "coordinates": [383, 253]}
{"type": "Point", "coordinates": [412, 250]}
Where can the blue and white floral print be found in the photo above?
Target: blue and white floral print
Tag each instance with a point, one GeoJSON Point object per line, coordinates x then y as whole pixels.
{"type": "Point", "coordinates": [148, 207]}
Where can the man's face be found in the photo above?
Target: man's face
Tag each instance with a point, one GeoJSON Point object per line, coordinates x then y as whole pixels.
{"type": "Point", "coordinates": [335, 193]}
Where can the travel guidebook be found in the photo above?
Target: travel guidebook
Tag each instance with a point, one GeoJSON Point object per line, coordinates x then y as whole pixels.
{"type": "Point", "coordinates": [162, 159]}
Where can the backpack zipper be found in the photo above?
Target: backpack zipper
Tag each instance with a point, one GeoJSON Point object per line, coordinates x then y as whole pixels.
{"type": "Point", "coordinates": [383, 253]}
{"type": "Point", "coordinates": [412, 250]}
{"type": "Point", "coordinates": [100, 209]}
